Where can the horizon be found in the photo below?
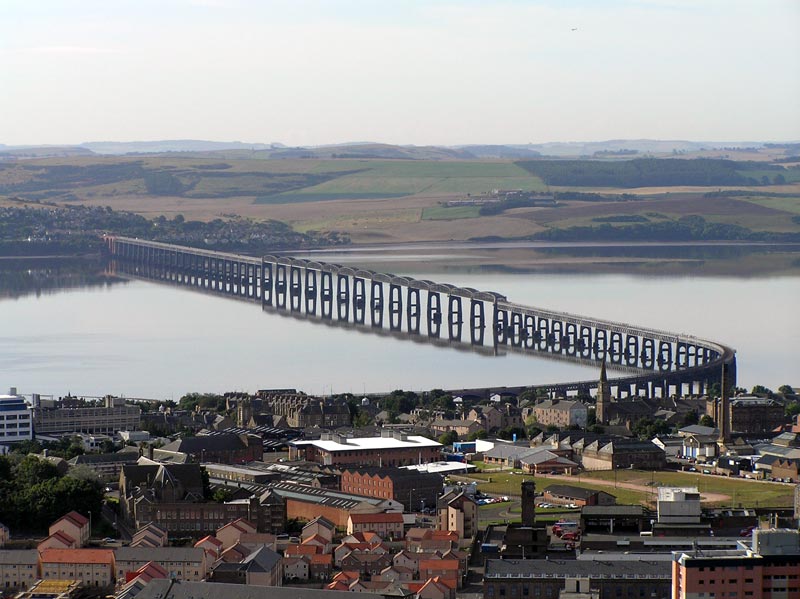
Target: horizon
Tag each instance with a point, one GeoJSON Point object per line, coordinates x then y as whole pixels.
{"type": "Point", "coordinates": [411, 144]}
{"type": "Point", "coordinates": [420, 73]}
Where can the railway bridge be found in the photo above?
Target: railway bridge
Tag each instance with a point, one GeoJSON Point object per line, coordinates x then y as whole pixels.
{"type": "Point", "coordinates": [649, 361]}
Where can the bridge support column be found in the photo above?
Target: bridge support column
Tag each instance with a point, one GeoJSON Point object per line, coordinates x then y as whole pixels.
{"type": "Point", "coordinates": [455, 318]}
{"type": "Point", "coordinates": [343, 297]}
{"type": "Point", "coordinates": [412, 310]}
{"type": "Point", "coordinates": [267, 286]}
{"type": "Point", "coordinates": [376, 304]}
{"type": "Point", "coordinates": [395, 307]}
{"type": "Point", "coordinates": [311, 292]}
{"type": "Point", "coordinates": [295, 288]}
{"type": "Point", "coordinates": [359, 300]}
{"type": "Point", "coordinates": [477, 321]}
{"type": "Point", "coordinates": [434, 314]}
{"type": "Point", "coordinates": [326, 294]}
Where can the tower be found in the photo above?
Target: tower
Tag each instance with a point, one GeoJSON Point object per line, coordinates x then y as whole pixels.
{"type": "Point", "coordinates": [603, 396]}
{"type": "Point", "coordinates": [724, 412]}
{"type": "Point", "coordinates": [528, 489]}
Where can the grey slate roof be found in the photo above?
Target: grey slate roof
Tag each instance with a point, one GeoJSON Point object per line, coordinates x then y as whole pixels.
{"type": "Point", "coordinates": [159, 554]}
{"type": "Point", "coordinates": [538, 568]}
{"type": "Point", "coordinates": [19, 556]}
{"type": "Point", "coordinates": [169, 589]}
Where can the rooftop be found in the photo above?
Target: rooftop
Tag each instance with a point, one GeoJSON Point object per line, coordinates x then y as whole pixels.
{"type": "Point", "coordinates": [370, 443]}
{"type": "Point", "coordinates": [177, 589]}
{"type": "Point", "coordinates": [553, 568]}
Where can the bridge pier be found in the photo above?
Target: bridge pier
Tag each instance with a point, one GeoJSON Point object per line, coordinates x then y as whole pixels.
{"type": "Point", "coordinates": [343, 298]}
{"type": "Point", "coordinates": [295, 288]}
{"type": "Point", "coordinates": [455, 317]}
{"type": "Point", "coordinates": [412, 310]}
{"type": "Point", "coordinates": [395, 307]}
{"type": "Point", "coordinates": [434, 314]}
{"type": "Point", "coordinates": [377, 304]}
{"type": "Point", "coordinates": [311, 291]}
{"type": "Point", "coordinates": [359, 300]}
{"type": "Point", "coordinates": [477, 320]}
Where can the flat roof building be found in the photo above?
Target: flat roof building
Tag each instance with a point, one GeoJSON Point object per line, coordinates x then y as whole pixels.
{"type": "Point", "coordinates": [392, 448]}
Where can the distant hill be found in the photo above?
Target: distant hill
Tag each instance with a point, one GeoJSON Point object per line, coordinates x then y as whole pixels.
{"type": "Point", "coordinates": [499, 151]}
{"type": "Point", "coordinates": [174, 145]}
{"type": "Point", "coordinates": [642, 146]}
{"type": "Point", "coordinates": [18, 152]}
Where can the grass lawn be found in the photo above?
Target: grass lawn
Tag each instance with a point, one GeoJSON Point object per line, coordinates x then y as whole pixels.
{"type": "Point", "coordinates": [453, 213]}
{"type": "Point", "coordinates": [746, 492]}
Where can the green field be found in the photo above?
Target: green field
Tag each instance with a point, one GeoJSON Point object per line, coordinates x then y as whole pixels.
{"type": "Point", "coordinates": [454, 213]}
{"type": "Point", "coordinates": [748, 493]}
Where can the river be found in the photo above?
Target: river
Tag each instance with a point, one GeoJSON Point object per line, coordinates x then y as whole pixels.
{"type": "Point", "coordinates": [64, 327]}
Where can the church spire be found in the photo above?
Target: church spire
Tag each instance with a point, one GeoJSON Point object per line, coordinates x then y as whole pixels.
{"type": "Point", "coordinates": [603, 396]}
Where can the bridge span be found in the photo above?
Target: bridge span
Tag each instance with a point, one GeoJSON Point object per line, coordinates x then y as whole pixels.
{"type": "Point", "coordinates": [652, 362]}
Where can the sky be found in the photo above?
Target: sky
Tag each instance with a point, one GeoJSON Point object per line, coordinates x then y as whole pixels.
{"type": "Point", "coordinates": [445, 72]}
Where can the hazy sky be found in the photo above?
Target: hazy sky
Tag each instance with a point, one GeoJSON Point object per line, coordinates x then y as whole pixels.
{"type": "Point", "coordinates": [398, 71]}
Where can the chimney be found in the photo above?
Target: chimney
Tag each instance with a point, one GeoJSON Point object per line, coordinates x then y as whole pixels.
{"type": "Point", "coordinates": [150, 451]}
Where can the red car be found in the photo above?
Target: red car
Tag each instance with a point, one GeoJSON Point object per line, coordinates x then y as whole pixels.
{"type": "Point", "coordinates": [570, 536]}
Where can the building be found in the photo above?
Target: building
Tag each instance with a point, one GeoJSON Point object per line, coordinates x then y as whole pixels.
{"type": "Point", "coordinates": [562, 413]}
{"type": "Point", "coordinates": [612, 455]}
{"type": "Point", "coordinates": [412, 488]}
{"type": "Point", "coordinates": [168, 589]}
{"type": "Point", "coordinates": [72, 415]}
{"type": "Point", "coordinates": [93, 567]}
{"type": "Point", "coordinates": [769, 567]}
{"type": "Point", "coordinates": [107, 466]}
{"type": "Point", "coordinates": [567, 494]}
{"type": "Point", "coordinates": [457, 512]}
{"type": "Point", "coordinates": [679, 505]}
{"type": "Point", "coordinates": [261, 568]}
{"type": "Point", "coordinates": [5, 534]}
{"type": "Point", "coordinates": [460, 427]}
{"type": "Point", "coordinates": [389, 525]}
{"type": "Point", "coordinates": [306, 503]}
{"type": "Point", "coordinates": [19, 569]}
{"type": "Point", "coordinates": [223, 448]}
{"type": "Point", "coordinates": [749, 414]}
{"type": "Point", "coordinates": [74, 525]}
{"type": "Point", "coordinates": [545, 579]}
{"type": "Point", "coordinates": [171, 496]}
{"type": "Point", "coordinates": [392, 448]}
{"type": "Point", "coordinates": [15, 420]}
{"type": "Point", "coordinates": [184, 563]}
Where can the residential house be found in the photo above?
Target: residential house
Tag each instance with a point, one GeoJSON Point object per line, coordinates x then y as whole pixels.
{"type": "Point", "coordinates": [163, 589]}
{"type": "Point", "coordinates": [58, 540]}
{"type": "Point", "coordinates": [295, 569]}
{"type": "Point", "coordinates": [212, 546]}
{"type": "Point", "coordinates": [261, 568]}
{"type": "Point", "coordinates": [387, 524]}
{"type": "Point", "coordinates": [447, 569]}
{"type": "Point", "coordinates": [4, 534]}
{"type": "Point", "coordinates": [319, 526]}
{"type": "Point", "coordinates": [136, 581]}
{"type": "Point", "coordinates": [489, 417]}
{"type": "Point", "coordinates": [74, 525]}
{"type": "Point", "coordinates": [458, 512]}
{"type": "Point", "coordinates": [150, 535]}
{"type": "Point", "coordinates": [231, 533]}
{"type": "Point", "coordinates": [395, 574]}
{"type": "Point", "coordinates": [92, 567]}
{"type": "Point", "coordinates": [185, 563]}
{"type": "Point", "coordinates": [427, 539]}
{"type": "Point", "coordinates": [461, 427]}
{"type": "Point", "coordinates": [369, 564]}
{"type": "Point", "coordinates": [320, 566]}
{"type": "Point", "coordinates": [700, 447]}
{"type": "Point", "coordinates": [19, 569]}
{"type": "Point", "coordinates": [437, 588]}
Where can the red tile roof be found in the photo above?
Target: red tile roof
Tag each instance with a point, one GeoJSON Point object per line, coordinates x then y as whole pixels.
{"type": "Point", "coordinates": [77, 556]}
{"type": "Point", "coordinates": [211, 539]}
{"type": "Point", "coordinates": [62, 537]}
{"type": "Point", "coordinates": [386, 517]}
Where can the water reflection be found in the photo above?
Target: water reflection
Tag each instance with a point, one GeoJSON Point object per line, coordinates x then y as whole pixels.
{"type": "Point", "coordinates": [40, 276]}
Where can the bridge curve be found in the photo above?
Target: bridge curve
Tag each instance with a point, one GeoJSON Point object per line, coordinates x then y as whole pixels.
{"type": "Point", "coordinates": [654, 361]}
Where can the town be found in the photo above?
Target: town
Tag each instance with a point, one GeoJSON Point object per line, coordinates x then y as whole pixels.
{"type": "Point", "coordinates": [423, 496]}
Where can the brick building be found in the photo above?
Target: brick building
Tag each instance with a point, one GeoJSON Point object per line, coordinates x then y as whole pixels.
{"type": "Point", "coordinates": [223, 448]}
{"type": "Point", "coordinates": [562, 413]}
{"type": "Point", "coordinates": [392, 448]}
{"type": "Point", "coordinates": [389, 525]}
{"type": "Point", "coordinates": [545, 579]}
{"type": "Point", "coordinates": [768, 568]}
{"type": "Point", "coordinates": [412, 488]}
{"type": "Point", "coordinates": [612, 455]}
{"type": "Point", "coordinates": [755, 415]}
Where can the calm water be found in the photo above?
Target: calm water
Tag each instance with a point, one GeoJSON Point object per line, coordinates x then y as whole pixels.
{"type": "Point", "coordinates": [88, 336]}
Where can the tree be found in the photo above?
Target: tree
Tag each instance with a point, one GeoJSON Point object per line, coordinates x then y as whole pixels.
{"type": "Point", "coordinates": [222, 495]}
{"type": "Point", "coordinates": [647, 428]}
{"type": "Point", "coordinates": [448, 438]}
{"type": "Point", "coordinates": [690, 418]}
{"type": "Point", "coordinates": [479, 434]}
{"type": "Point", "coordinates": [793, 408]}
{"type": "Point", "coordinates": [786, 390]}
{"type": "Point", "coordinates": [706, 420]}
{"type": "Point", "coordinates": [762, 390]}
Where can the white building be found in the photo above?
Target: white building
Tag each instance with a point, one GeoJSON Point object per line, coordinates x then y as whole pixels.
{"type": "Point", "coordinates": [678, 505]}
{"type": "Point", "coordinates": [15, 419]}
